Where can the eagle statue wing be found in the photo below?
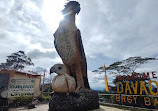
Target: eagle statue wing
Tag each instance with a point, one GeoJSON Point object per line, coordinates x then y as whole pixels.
{"type": "Point", "coordinates": [55, 35]}
{"type": "Point", "coordinates": [84, 62]}
{"type": "Point", "coordinates": [81, 49]}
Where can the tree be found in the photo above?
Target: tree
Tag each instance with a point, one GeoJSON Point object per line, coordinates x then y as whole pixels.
{"type": "Point", "coordinates": [126, 66]}
{"type": "Point", "coordinates": [17, 61]}
{"type": "Point", "coordinates": [129, 65]}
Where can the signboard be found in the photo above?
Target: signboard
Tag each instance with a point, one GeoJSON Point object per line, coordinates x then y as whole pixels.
{"type": "Point", "coordinates": [138, 89]}
{"type": "Point", "coordinates": [21, 87]}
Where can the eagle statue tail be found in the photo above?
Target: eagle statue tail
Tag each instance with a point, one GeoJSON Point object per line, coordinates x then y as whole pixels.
{"type": "Point", "coordinates": [84, 62]}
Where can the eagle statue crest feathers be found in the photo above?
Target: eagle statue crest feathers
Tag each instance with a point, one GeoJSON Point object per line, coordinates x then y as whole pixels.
{"type": "Point", "coordinates": [68, 44]}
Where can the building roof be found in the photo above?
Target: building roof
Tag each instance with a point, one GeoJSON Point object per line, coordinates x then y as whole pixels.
{"type": "Point", "coordinates": [19, 72]}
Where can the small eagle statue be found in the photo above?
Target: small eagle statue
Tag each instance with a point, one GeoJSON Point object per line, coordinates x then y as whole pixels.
{"type": "Point", "coordinates": [68, 44]}
{"type": "Point", "coordinates": [63, 82]}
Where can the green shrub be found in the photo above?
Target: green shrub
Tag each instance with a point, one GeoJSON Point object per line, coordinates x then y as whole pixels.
{"type": "Point", "coordinates": [21, 101]}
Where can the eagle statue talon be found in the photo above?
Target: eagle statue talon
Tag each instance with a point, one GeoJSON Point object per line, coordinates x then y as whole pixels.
{"type": "Point", "coordinates": [78, 89]}
{"type": "Point", "coordinates": [75, 94]}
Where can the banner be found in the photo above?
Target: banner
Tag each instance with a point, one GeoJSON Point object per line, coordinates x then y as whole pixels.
{"type": "Point", "coordinates": [106, 82]}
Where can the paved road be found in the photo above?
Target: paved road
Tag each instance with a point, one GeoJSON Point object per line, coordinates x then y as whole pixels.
{"type": "Point", "coordinates": [44, 107]}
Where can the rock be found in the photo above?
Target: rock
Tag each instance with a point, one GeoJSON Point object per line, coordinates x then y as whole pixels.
{"type": "Point", "coordinates": [85, 100]}
{"type": "Point", "coordinates": [63, 83]}
{"type": "Point", "coordinates": [31, 106]}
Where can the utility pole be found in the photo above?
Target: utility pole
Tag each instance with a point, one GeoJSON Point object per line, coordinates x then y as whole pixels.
{"type": "Point", "coordinates": [43, 83]}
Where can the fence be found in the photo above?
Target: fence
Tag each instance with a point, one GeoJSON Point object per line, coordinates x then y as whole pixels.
{"type": "Point", "coordinates": [110, 100]}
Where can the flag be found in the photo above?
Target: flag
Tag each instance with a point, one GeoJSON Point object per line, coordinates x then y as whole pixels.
{"type": "Point", "coordinates": [106, 82]}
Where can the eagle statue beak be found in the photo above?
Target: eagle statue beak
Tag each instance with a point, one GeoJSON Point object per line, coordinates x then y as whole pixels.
{"type": "Point", "coordinates": [52, 70]}
{"type": "Point", "coordinates": [78, 9]}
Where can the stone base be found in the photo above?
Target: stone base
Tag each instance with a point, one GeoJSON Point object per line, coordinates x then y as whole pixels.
{"type": "Point", "coordinates": [31, 106]}
{"type": "Point", "coordinates": [85, 100]}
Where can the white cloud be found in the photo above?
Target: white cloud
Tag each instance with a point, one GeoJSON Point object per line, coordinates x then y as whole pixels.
{"type": "Point", "coordinates": [22, 28]}
{"type": "Point", "coordinates": [128, 26]}
{"type": "Point", "coordinates": [111, 30]}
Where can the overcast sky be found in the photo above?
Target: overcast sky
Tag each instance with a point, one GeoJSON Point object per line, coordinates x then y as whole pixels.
{"type": "Point", "coordinates": [111, 30]}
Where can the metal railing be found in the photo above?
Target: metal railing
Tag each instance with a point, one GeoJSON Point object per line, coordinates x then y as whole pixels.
{"type": "Point", "coordinates": [110, 100]}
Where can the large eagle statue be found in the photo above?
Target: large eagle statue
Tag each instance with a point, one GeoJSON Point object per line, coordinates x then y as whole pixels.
{"type": "Point", "coordinates": [68, 44]}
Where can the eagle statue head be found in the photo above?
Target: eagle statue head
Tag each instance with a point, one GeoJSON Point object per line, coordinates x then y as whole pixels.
{"type": "Point", "coordinates": [58, 68]}
{"type": "Point", "coordinates": [71, 7]}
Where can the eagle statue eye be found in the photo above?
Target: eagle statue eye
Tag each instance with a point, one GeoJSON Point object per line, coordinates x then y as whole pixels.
{"type": "Point", "coordinates": [59, 68]}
